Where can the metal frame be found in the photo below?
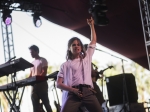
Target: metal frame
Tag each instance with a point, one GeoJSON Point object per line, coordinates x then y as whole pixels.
{"type": "Point", "coordinates": [8, 42]}
{"type": "Point", "coordinates": [12, 99]}
{"type": "Point", "coordinates": [144, 6]}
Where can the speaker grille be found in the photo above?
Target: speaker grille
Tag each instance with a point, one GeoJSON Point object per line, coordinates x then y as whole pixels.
{"type": "Point", "coordinates": [115, 89]}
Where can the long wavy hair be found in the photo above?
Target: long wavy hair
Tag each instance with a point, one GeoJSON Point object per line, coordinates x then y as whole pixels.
{"type": "Point", "coordinates": [69, 53]}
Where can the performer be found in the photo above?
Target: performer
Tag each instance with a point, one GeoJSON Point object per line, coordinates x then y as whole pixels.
{"type": "Point", "coordinates": [39, 90]}
{"type": "Point", "coordinates": [95, 76]}
{"type": "Point", "coordinates": [74, 76]}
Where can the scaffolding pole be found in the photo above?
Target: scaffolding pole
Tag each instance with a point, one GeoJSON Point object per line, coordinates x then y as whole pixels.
{"type": "Point", "coordinates": [8, 43]}
{"type": "Point", "coordinates": [144, 6]}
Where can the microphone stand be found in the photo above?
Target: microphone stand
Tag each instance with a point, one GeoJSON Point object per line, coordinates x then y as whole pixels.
{"type": "Point", "coordinates": [0, 105]}
{"type": "Point", "coordinates": [102, 85]}
{"type": "Point", "coordinates": [125, 95]}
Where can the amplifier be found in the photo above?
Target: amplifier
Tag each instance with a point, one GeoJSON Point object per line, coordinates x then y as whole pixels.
{"type": "Point", "coordinates": [115, 89]}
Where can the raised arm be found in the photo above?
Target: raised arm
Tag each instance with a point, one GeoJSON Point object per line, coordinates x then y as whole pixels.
{"type": "Point", "coordinates": [93, 33]}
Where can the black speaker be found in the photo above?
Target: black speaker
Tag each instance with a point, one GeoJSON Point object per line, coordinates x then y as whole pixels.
{"type": "Point", "coordinates": [115, 89]}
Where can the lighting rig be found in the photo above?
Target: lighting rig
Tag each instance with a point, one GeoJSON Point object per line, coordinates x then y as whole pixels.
{"type": "Point", "coordinates": [98, 10]}
{"type": "Point", "coordinates": [7, 6]}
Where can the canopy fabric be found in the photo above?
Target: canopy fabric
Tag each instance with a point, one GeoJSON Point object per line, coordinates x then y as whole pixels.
{"type": "Point", "coordinates": [124, 34]}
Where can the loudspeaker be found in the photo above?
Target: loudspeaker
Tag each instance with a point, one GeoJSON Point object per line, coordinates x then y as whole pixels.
{"type": "Point", "coordinates": [134, 107]}
{"type": "Point", "coordinates": [137, 107]}
{"type": "Point", "coordinates": [115, 89]}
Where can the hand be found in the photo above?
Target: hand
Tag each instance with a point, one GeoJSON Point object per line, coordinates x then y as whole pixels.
{"type": "Point", "coordinates": [102, 75]}
{"type": "Point", "coordinates": [77, 92]}
{"type": "Point", "coordinates": [30, 76]}
{"type": "Point", "coordinates": [90, 21]}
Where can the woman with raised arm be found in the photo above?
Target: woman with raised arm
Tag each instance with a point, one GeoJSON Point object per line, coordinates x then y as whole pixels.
{"type": "Point", "coordinates": [74, 76]}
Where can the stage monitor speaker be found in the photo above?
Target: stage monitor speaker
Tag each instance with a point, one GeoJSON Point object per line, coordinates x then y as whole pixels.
{"type": "Point", "coordinates": [137, 107]}
{"type": "Point", "coordinates": [115, 89]}
{"type": "Point", "coordinates": [134, 107]}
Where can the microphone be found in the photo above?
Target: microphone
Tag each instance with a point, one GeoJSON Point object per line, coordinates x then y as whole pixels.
{"type": "Point", "coordinates": [101, 72]}
{"type": "Point", "coordinates": [81, 55]}
{"type": "Point", "coordinates": [11, 59]}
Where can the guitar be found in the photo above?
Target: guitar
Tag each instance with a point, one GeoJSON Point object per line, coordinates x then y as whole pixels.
{"type": "Point", "coordinates": [95, 76]}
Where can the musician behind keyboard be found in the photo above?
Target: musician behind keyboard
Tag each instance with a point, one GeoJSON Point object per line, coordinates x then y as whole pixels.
{"type": "Point", "coordinates": [39, 90]}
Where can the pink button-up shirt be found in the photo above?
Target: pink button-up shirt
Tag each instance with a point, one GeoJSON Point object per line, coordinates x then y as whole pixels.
{"type": "Point", "coordinates": [67, 73]}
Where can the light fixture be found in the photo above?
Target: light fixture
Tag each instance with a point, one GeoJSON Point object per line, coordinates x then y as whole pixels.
{"type": "Point", "coordinates": [36, 19]}
{"type": "Point", "coordinates": [98, 10]}
{"type": "Point", "coordinates": [7, 19]}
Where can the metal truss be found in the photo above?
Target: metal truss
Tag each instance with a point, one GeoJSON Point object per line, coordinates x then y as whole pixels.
{"type": "Point", "coordinates": [14, 5]}
{"type": "Point", "coordinates": [8, 43]}
{"type": "Point", "coordinates": [20, 5]}
{"type": "Point", "coordinates": [145, 17]}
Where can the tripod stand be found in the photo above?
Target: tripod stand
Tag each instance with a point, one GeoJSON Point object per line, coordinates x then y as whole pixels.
{"type": "Point", "coordinates": [57, 104]}
{"type": "Point", "coordinates": [125, 93]}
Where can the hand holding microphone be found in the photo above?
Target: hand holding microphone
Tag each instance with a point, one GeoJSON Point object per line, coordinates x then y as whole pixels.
{"type": "Point", "coordinates": [11, 59]}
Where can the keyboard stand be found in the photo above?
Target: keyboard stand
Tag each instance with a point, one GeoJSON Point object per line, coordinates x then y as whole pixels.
{"type": "Point", "coordinates": [12, 99]}
{"type": "Point", "coordinates": [14, 88]}
{"type": "Point", "coordinates": [11, 67]}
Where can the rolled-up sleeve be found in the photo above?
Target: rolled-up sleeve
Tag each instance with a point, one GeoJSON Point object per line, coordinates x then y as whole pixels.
{"type": "Point", "coordinates": [61, 71]}
{"type": "Point", "coordinates": [91, 49]}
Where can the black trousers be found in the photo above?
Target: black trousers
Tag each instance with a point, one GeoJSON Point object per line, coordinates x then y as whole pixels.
{"type": "Point", "coordinates": [89, 100]}
{"type": "Point", "coordinates": [98, 93]}
{"type": "Point", "coordinates": [40, 91]}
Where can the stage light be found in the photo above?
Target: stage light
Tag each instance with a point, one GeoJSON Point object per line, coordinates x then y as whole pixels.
{"type": "Point", "coordinates": [36, 20]}
{"type": "Point", "coordinates": [7, 19]}
{"type": "Point", "coordinates": [98, 10]}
